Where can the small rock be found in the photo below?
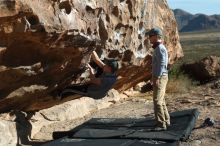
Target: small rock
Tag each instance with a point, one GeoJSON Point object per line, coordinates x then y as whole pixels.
{"type": "Point", "coordinates": [196, 143]}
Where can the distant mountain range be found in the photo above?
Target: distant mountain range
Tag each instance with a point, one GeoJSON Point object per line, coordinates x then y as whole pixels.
{"type": "Point", "coordinates": [188, 22]}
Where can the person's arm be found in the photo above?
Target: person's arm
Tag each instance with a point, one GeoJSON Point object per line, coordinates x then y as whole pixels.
{"type": "Point", "coordinates": [157, 67]}
{"type": "Point", "coordinates": [163, 60]}
{"type": "Point", "coordinates": [91, 70]}
{"type": "Point", "coordinates": [97, 60]}
{"type": "Point", "coordinates": [161, 63]}
{"type": "Point", "coordinates": [93, 79]}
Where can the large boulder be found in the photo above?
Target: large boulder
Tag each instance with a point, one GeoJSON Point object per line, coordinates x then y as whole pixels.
{"type": "Point", "coordinates": [69, 111]}
{"type": "Point", "coordinates": [46, 45]}
{"type": "Point", "coordinates": [204, 70]}
{"type": "Point", "coordinates": [17, 127]}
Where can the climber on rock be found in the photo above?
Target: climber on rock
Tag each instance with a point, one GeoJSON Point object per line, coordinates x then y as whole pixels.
{"type": "Point", "coordinates": [102, 78]}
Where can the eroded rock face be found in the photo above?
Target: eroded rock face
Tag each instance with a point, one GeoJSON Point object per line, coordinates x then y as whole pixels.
{"type": "Point", "coordinates": [8, 133]}
{"type": "Point", "coordinates": [46, 44]}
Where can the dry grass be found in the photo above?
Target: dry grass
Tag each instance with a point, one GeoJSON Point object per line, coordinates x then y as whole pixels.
{"type": "Point", "coordinates": [180, 84]}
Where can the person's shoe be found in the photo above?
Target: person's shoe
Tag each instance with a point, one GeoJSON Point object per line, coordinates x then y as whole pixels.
{"type": "Point", "coordinates": [168, 124]}
{"type": "Point", "coordinates": [159, 128]}
{"type": "Point", "coordinates": [59, 96]}
{"type": "Point", "coordinates": [56, 94]}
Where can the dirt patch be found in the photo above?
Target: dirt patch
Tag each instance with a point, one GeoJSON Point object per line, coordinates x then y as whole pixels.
{"type": "Point", "coordinates": [207, 101]}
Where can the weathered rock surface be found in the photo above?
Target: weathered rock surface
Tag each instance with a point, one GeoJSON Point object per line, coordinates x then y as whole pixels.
{"type": "Point", "coordinates": [46, 45]}
{"type": "Point", "coordinates": [8, 133]}
{"type": "Point", "coordinates": [204, 70]}
{"type": "Point", "coordinates": [15, 128]}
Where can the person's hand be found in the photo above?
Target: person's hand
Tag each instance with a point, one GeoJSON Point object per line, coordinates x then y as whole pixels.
{"type": "Point", "coordinates": [156, 82]}
{"type": "Point", "coordinates": [151, 81]}
{"type": "Point", "coordinates": [104, 65]}
{"type": "Point", "coordinates": [89, 66]}
{"type": "Point", "coordinates": [91, 70]}
{"type": "Point", "coordinates": [142, 63]}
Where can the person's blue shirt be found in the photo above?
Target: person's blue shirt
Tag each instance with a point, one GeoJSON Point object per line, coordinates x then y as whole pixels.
{"type": "Point", "coordinates": [160, 61]}
{"type": "Point", "coordinates": [99, 91]}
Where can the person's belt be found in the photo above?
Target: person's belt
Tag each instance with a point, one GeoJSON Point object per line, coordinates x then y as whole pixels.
{"type": "Point", "coordinates": [164, 74]}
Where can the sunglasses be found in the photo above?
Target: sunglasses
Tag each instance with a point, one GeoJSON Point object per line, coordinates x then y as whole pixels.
{"type": "Point", "coordinates": [151, 35]}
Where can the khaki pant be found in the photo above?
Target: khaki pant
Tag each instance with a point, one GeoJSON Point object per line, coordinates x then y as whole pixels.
{"type": "Point", "coordinates": [160, 109]}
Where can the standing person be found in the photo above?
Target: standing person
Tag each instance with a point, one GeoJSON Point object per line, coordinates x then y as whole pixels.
{"type": "Point", "coordinates": [159, 78]}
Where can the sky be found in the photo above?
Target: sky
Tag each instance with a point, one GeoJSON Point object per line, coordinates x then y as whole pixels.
{"type": "Point", "coordinates": [208, 7]}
